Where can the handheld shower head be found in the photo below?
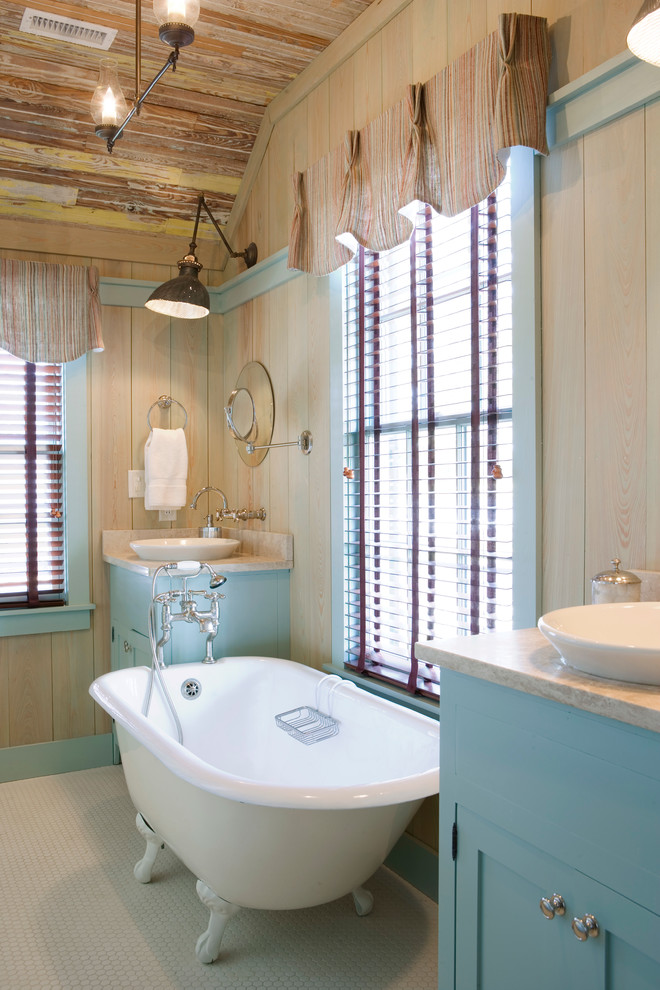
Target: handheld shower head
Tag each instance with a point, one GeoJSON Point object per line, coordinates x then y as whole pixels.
{"type": "Point", "coordinates": [215, 580]}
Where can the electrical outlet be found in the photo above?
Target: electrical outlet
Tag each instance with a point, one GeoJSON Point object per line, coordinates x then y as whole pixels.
{"type": "Point", "coordinates": [166, 515]}
{"type": "Point", "coordinates": [136, 485]}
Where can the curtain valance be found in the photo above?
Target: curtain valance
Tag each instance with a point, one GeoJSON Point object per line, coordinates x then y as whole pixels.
{"type": "Point", "coordinates": [49, 313]}
{"type": "Point", "coordinates": [443, 145]}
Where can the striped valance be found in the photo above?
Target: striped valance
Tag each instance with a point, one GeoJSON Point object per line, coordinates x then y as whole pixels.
{"type": "Point", "coordinates": [444, 145]}
{"type": "Point", "coordinates": [49, 313]}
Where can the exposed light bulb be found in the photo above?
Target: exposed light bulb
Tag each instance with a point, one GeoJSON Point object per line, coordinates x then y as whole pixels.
{"type": "Point", "coordinates": [109, 109]}
{"type": "Point", "coordinates": [176, 10]}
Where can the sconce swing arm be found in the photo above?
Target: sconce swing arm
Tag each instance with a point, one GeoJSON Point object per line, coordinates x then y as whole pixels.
{"type": "Point", "coordinates": [249, 256]}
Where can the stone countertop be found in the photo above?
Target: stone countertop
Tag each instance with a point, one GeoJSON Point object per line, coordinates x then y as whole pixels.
{"type": "Point", "coordinates": [525, 661]}
{"type": "Point", "coordinates": [257, 552]}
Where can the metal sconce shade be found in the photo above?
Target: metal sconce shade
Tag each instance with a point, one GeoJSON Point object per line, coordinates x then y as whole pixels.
{"type": "Point", "coordinates": [183, 297]}
{"type": "Point", "coordinates": [644, 36]}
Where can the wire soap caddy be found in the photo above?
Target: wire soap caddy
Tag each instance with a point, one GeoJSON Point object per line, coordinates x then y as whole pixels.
{"type": "Point", "coordinates": [310, 725]}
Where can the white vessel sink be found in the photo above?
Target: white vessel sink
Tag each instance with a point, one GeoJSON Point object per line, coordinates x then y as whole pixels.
{"type": "Point", "coordinates": [620, 641]}
{"type": "Point", "coordinates": [185, 548]}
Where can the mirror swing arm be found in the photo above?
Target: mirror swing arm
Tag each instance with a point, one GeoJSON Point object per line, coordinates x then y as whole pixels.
{"type": "Point", "coordinates": [305, 442]}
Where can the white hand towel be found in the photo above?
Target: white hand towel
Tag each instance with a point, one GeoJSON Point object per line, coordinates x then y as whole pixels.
{"type": "Point", "coordinates": [165, 469]}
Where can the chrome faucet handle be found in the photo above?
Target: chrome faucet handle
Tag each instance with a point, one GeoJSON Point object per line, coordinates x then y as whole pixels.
{"type": "Point", "coordinates": [167, 597]}
{"type": "Point", "coordinates": [240, 515]}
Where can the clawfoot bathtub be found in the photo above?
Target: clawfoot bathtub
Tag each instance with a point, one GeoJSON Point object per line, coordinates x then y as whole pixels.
{"type": "Point", "coordinates": [261, 817]}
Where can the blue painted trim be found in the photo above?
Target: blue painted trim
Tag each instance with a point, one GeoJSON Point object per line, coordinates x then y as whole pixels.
{"type": "Point", "coordinates": [62, 756]}
{"type": "Point", "coordinates": [263, 277]}
{"type": "Point", "coordinates": [527, 412]}
{"type": "Point", "coordinates": [75, 474]}
{"type": "Point", "coordinates": [131, 292]}
{"type": "Point", "coordinates": [615, 88]}
{"type": "Point", "coordinates": [337, 481]}
{"type": "Point", "coordinates": [30, 622]}
{"type": "Point", "coordinates": [416, 863]}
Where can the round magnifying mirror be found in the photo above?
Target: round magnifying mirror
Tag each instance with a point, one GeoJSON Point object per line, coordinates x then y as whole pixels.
{"type": "Point", "coordinates": [241, 415]}
{"type": "Point", "coordinates": [250, 412]}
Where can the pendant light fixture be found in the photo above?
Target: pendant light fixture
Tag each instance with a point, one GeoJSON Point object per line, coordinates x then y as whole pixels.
{"type": "Point", "coordinates": [644, 36]}
{"type": "Point", "coordinates": [176, 20]}
{"type": "Point", "coordinates": [108, 103]}
{"type": "Point", "coordinates": [185, 297]}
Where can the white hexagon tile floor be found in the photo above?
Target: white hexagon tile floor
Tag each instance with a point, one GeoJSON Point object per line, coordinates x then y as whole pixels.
{"type": "Point", "coordinates": [72, 916]}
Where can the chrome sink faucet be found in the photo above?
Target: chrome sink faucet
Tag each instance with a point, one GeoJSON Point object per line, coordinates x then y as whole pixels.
{"type": "Point", "coordinates": [236, 515]}
{"type": "Point", "coordinates": [209, 529]}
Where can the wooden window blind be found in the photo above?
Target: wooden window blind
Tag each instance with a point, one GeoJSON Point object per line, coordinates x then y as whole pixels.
{"type": "Point", "coordinates": [428, 441]}
{"type": "Point", "coordinates": [32, 551]}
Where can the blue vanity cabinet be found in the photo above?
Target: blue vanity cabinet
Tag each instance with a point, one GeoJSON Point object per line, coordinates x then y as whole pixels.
{"type": "Point", "coordinates": [254, 617]}
{"type": "Point", "coordinates": [539, 800]}
{"type": "Point", "coordinates": [129, 647]}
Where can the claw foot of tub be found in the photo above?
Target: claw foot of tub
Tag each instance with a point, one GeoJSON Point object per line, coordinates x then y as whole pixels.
{"type": "Point", "coordinates": [208, 944]}
{"type": "Point", "coordinates": [363, 900]}
{"type": "Point", "coordinates": [142, 869]}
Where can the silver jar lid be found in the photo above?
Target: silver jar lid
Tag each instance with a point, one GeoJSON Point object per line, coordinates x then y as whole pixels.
{"type": "Point", "coordinates": [616, 576]}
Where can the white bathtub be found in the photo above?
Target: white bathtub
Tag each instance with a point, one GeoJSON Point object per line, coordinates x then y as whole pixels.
{"type": "Point", "coordinates": [263, 820]}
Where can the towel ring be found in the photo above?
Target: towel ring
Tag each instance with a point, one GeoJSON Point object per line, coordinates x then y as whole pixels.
{"type": "Point", "coordinates": [165, 401]}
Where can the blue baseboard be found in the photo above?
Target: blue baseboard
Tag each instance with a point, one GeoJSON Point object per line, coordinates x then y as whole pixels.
{"type": "Point", "coordinates": [43, 759]}
{"type": "Point", "coordinates": [416, 863]}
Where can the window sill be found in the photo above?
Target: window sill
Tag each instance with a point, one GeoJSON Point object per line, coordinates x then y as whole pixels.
{"type": "Point", "coordinates": [425, 706]}
{"type": "Point", "coordinates": [32, 621]}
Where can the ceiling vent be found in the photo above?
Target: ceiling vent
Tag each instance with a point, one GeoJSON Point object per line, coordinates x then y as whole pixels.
{"type": "Point", "coordinates": [66, 29]}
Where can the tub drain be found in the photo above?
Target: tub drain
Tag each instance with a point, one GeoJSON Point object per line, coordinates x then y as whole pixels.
{"type": "Point", "coordinates": [191, 688]}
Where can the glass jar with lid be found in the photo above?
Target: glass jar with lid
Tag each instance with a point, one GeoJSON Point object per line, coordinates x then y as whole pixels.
{"type": "Point", "coordinates": [615, 585]}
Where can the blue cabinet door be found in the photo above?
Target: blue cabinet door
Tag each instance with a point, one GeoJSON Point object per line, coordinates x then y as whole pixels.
{"type": "Point", "coordinates": [503, 939]}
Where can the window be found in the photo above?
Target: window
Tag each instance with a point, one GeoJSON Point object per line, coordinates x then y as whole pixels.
{"type": "Point", "coordinates": [32, 493]}
{"type": "Point", "coordinates": [428, 498]}
{"type": "Point", "coordinates": [44, 569]}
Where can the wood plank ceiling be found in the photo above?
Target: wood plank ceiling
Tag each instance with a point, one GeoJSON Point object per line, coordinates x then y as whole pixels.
{"type": "Point", "coordinates": [195, 131]}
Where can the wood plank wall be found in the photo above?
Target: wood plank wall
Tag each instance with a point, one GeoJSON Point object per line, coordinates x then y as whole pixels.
{"type": "Point", "coordinates": [600, 226]}
{"type": "Point", "coordinates": [411, 47]}
{"type": "Point", "coordinates": [44, 679]}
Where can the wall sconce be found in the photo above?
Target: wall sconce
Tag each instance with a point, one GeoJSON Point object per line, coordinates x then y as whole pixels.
{"type": "Point", "coordinates": [644, 36]}
{"type": "Point", "coordinates": [185, 297]}
{"type": "Point", "coordinates": [176, 19]}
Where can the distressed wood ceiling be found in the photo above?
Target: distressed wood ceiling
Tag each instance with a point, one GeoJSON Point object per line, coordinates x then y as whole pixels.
{"type": "Point", "coordinates": [195, 131]}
